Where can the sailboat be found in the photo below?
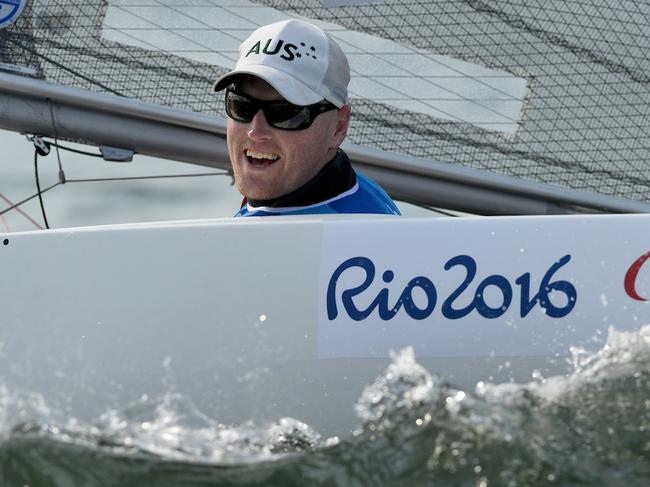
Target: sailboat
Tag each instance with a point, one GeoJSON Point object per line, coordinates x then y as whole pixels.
{"type": "Point", "coordinates": [478, 108]}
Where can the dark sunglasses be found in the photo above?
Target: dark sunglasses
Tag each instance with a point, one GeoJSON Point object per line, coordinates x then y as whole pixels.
{"type": "Point", "coordinates": [279, 114]}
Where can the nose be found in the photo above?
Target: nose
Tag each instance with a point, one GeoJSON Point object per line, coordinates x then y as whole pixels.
{"type": "Point", "coordinates": [259, 128]}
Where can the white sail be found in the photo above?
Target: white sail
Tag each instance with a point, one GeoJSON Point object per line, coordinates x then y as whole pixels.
{"type": "Point", "coordinates": [427, 77]}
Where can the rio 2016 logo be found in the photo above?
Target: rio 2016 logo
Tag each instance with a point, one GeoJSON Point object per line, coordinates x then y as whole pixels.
{"type": "Point", "coordinates": [10, 10]}
{"type": "Point", "coordinates": [449, 309]}
{"type": "Point", "coordinates": [631, 275]}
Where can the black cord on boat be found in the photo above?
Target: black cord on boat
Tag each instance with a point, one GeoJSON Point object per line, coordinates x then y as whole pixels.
{"type": "Point", "coordinates": [47, 144]}
{"type": "Point", "coordinates": [76, 151]}
{"type": "Point", "coordinates": [38, 187]}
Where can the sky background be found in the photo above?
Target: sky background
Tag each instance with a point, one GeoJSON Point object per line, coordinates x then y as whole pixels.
{"type": "Point", "coordinates": [80, 204]}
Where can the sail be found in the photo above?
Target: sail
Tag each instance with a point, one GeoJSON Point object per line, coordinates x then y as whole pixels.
{"type": "Point", "coordinates": [555, 96]}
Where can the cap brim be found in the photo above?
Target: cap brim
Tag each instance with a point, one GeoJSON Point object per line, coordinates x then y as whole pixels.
{"type": "Point", "coordinates": [291, 90]}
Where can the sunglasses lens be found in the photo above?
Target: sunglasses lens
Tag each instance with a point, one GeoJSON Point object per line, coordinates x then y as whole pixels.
{"type": "Point", "coordinates": [278, 114]}
{"type": "Point", "coordinates": [239, 107]}
{"type": "Point", "coordinates": [287, 116]}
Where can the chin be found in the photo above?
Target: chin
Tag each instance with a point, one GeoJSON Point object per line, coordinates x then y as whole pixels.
{"type": "Point", "coordinates": [258, 194]}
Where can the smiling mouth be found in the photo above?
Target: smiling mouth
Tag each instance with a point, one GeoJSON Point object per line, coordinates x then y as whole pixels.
{"type": "Point", "coordinates": [260, 158]}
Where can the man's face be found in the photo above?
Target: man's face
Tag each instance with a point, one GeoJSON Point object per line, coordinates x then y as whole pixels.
{"type": "Point", "coordinates": [270, 162]}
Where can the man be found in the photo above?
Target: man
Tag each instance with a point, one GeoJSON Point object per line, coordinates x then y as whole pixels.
{"type": "Point", "coordinates": [287, 109]}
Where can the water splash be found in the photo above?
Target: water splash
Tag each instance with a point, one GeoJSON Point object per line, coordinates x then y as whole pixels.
{"type": "Point", "coordinates": [404, 385]}
{"type": "Point", "coordinates": [174, 428]}
{"type": "Point", "coordinates": [589, 428]}
{"type": "Point", "coordinates": [18, 407]}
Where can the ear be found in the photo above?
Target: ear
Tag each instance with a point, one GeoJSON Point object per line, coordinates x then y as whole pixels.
{"type": "Point", "coordinates": [341, 126]}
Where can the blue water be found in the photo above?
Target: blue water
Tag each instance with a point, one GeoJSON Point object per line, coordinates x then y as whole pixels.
{"type": "Point", "coordinates": [589, 428]}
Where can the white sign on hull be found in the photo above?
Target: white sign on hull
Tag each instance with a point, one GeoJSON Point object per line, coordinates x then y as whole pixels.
{"type": "Point", "coordinates": [506, 287]}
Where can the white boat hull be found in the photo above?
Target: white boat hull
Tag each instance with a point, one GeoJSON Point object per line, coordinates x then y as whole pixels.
{"type": "Point", "coordinates": [234, 314]}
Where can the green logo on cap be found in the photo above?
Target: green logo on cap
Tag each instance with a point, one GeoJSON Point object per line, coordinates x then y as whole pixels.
{"type": "Point", "coordinates": [288, 50]}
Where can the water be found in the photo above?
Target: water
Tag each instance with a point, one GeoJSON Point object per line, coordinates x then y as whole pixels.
{"type": "Point", "coordinates": [589, 428]}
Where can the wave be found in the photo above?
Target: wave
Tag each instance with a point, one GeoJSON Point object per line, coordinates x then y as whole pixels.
{"type": "Point", "coordinates": [590, 427]}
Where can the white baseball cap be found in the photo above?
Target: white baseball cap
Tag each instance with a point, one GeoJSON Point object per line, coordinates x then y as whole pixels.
{"type": "Point", "coordinates": [299, 60]}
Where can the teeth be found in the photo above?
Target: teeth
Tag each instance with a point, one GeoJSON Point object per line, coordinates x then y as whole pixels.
{"type": "Point", "coordinates": [261, 155]}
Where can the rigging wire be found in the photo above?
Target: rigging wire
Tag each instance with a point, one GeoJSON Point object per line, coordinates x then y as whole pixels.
{"type": "Point", "coordinates": [227, 172]}
{"type": "Point", "coordinates": [43, 147]}
{"type": "Point", "coordinates": [16, 206]}
{"type": "Point", "coordinates": [19, 210]}
{"type": "Point", "coordinates": [163, 176]}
